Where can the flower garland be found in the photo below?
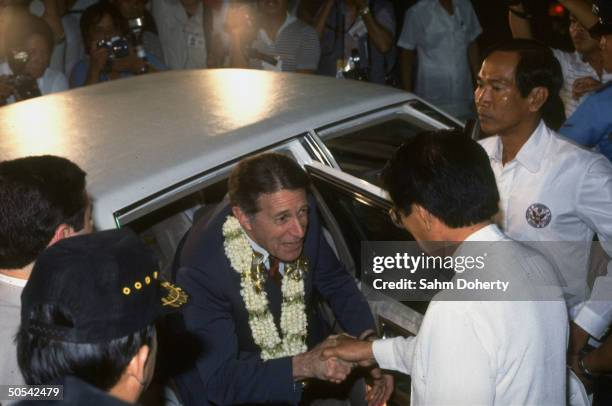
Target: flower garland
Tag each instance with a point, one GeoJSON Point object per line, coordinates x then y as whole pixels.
{"type": "Point", "coordinates": [293, 321]}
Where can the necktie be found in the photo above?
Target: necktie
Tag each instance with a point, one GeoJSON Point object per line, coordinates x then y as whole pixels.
{"type": "Point", "coordinates": [273, 271]}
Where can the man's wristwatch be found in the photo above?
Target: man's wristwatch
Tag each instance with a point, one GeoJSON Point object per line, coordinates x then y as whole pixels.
{"type": "Point", "coordinates": [364, 11]}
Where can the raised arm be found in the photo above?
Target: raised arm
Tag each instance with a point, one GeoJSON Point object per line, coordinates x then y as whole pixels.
{"type": "Point", "coordinates": [380, 36]}
{"type": "Point", "coordinates": [582, 10]}
{"type": "Point", "coordinates": [322, 16]}
{"type": "Point", "coordinates": [519, 20]}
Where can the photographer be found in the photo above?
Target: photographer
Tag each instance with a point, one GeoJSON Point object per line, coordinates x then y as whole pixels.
{"type": "Point", "coordinates": [367, 27]}
{"type": "Point", "coordinates": [110, 55]}
{"type": "Point", "coordinates": [29, 42]}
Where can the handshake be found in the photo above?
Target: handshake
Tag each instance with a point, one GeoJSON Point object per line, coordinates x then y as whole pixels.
{"type": "Point", "coordinates": [334, 360]}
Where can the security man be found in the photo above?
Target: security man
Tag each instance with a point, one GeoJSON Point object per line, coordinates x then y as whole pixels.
{"type": "Point", "coordinates": [553, 194]}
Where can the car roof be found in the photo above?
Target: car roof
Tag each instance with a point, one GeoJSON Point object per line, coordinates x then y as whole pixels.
{"type": "Point", "coordinates": [137, 136]}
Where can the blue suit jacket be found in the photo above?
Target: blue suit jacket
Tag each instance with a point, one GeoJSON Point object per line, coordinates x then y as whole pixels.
{"type": "Point", "coordinates": [229, 370]}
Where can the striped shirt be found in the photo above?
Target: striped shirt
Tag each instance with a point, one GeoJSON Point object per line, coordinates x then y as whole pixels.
{"type": "Point", "coordinates": [297, 47]}
{"type": "Point", "coordinates": [574, 67]}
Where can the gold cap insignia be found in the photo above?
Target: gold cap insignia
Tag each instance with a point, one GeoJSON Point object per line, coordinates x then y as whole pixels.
{"type": "Point", "coordinates": [175, 297]}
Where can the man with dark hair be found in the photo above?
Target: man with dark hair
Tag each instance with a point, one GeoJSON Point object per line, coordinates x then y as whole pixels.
{"type": "Point", "coordinates": [582, 69]}
{"type": "Point", "coordinates": [100, 24]}
{"type": "Point", "coordinates": [469, 352]}
{"type": "Point", "coordinates": [591, 123]}
{"type": "Point", "coordinates": [253, 269]}
{"type": "Point", "coordinates": [88, 318]}
{"type": "Point", "coordinates": [42, 201]}
{"type": "Point", "coordinates": [551, 190]}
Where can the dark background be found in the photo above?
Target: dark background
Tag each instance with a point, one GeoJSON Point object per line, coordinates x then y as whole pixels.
{"type": "Point", "coordinates": [550, 20]}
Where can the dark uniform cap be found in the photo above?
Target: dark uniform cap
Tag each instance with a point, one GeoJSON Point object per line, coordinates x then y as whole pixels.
{"type": "Point", "coordinates": [603, 10]}
{"type": "Point", "coordinates": [106, 282]}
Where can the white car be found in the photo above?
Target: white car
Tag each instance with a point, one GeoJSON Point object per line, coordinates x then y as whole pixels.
{"type": "Point", "coordinates": [158, 149]}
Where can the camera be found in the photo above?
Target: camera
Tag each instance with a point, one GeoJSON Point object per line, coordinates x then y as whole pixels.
{"type": "Point", "coordinates": [354, 69]}
{"type": "Point", "coordinates": [118, 47]}
{"type": "Point", "coordinates": [25, 86]}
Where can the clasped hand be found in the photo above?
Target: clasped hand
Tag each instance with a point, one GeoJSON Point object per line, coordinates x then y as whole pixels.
{"type": "Point", "coordinates": [348, 351]}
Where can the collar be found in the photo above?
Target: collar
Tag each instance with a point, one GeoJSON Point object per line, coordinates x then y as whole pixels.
{"type": "Point", "coordinates": [265, 255]}
{"type": "Point", "coordinates": [530, 154]}
{"type": "Point", "coordinates": [259, 249]}
{"type": "Point", "coordinates": [9, 280]}
{"type": "Point", "coordinates": [488, 233]}
{"type": "Point", "coordinates": [263, 35]}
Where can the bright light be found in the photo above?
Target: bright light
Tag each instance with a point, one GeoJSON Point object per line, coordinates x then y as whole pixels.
{"type": "Point", "coordinates": [247, 97]}
{"type": "Point", "coordinates": [556, 10]}
{"type": "Point", "coordinates": [37, 128]}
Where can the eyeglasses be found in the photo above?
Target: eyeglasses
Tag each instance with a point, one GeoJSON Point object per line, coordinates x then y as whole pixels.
{"type": "Point", "coordinates": [395, 218]}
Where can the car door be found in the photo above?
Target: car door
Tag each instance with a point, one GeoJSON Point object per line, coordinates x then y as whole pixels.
{"type": "Point", "coordinates": [355, 213]}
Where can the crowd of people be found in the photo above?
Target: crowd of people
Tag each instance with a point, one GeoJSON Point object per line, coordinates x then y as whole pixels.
{"type": "Point", "coordinates": [435, 55]}
{"type": "Point", "coordinates": [242, 311]}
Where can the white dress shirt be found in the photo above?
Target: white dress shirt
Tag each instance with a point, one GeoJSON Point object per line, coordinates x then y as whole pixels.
{"type": "Point", "coordinates": [486, 352]}
{"type": "Point", "coordinates": [441, 42]}
{"type": "Point", "coordinates": [10, 318]}
{"type": "Point", "coordinates": [182, 37]}
{"type": "Point", "coordinates": [574, 67]}
{"type": "Point", "coordinates": [556, 191]}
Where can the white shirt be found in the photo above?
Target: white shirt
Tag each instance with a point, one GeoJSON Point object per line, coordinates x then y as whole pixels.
{"type": "Point", "coordinates": [182, 37]}
{"type": "Point", "coordinates": [486, 352]}
{"type": "Point", "coordinates": [441, 42]}
{"type": "Point", "coordinates": [574, 67]}
{"type": "Point", "coordinates": [10, 318]}
{"type": "Point", "coordinates": [556, 191]}
{"type": "Point", "coordinates": [51, 81]}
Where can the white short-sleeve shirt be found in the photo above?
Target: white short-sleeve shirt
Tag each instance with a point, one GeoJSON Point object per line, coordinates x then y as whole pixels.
{"type": "Point", "coordinates": [441, 42]}
{"type": "Point", "coordinates": [574, 67]}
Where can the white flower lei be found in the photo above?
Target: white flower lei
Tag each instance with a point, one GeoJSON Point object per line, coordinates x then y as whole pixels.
{"type": "Point", "coordinates": [293, 310]}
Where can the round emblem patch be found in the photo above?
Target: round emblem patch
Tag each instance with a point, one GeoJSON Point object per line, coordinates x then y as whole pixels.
{"type": "Point", "coordinates": [538, 215]}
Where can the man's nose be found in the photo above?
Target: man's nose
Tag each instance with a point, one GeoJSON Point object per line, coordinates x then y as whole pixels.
{"type": "Point", "coordinates": [297, 228]}
{"type": "Point", "coordinates": [481, 96]}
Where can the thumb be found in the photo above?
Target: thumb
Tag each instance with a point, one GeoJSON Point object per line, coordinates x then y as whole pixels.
{"type": "Point", "coordinates": [329, 353]}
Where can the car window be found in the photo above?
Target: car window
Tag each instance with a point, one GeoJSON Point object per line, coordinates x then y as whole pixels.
{"type": "Point", "coordinates": [363, 151]}
{"type": "Point", "coordinates": [359, 218]}
{"type": "Point", "coordinates": [163, 228]}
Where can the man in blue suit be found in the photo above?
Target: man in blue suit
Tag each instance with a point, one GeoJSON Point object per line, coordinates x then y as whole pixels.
{"type": "Point", "coordinates": [254, 269]}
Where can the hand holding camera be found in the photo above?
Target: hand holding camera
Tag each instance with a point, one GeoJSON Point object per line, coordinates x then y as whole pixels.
{"type": "Point", "coordinates": [98, 57]}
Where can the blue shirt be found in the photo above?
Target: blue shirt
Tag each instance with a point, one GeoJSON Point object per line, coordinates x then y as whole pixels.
{"type": "Point", "coordinates": [79, 72]}
{"type": "Point", "coordinates": [591, 123]}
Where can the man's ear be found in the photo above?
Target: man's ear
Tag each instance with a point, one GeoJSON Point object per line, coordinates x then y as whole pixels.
{"type": "Point", "coordinates": [137, 366]}
{"type": "Point", "coordinates": [62, 231]}
{"type": "Point", "coordinates": [242, 217]}
{"type": "Point", "coordinates": [537, 97]}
